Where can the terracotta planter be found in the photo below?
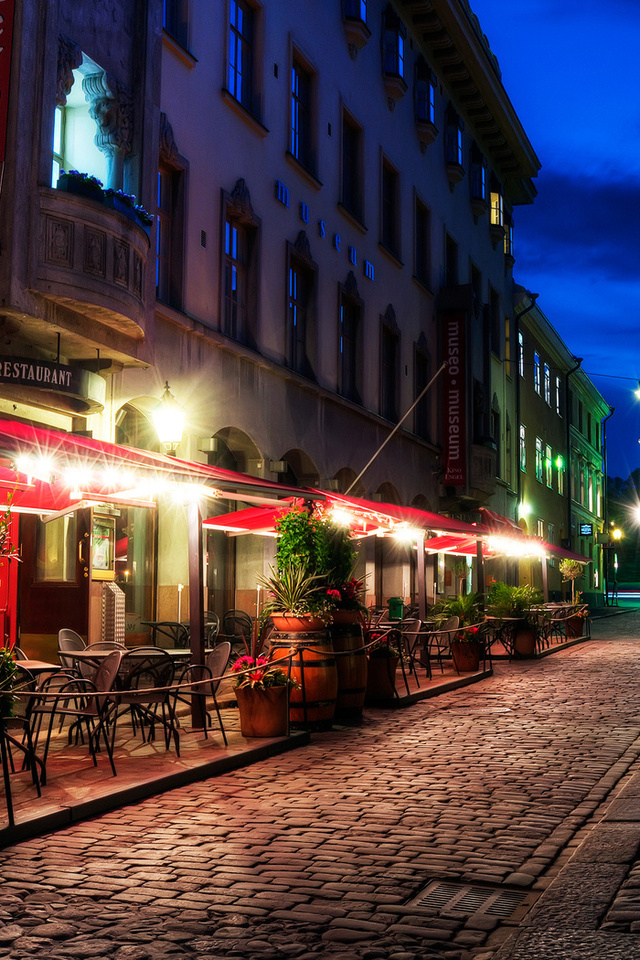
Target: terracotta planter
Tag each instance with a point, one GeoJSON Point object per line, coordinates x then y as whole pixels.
{"type": "Point", "coordinates": [263, 713]}
{"type": "Point", "coordinates": [287, 623]}
{"type": "Point", "coordinates": [345, 617]}
{"type": "Point", "coordinates": [524, 642]}
{"type": "Point", "coordinates": [466, 656]}
{"type": "Point", "coordinates": [575, 626]}
{"type": "Point", "coordinates": [381, 677]}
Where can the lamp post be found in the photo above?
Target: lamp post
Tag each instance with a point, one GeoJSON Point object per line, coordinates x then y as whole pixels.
{"type": "Point", "coordinates": [168, 419]}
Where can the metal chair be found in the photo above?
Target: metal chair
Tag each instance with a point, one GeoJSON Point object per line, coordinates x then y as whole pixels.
{"type": "Point", "coordinates": [237, 626]}
{"type": "Point", "coordinates": [86, 702]}
{"type": "Point", "coordinates": [170, 633]}
{"type": "Point", "coordinates": [439, 642]}
{"type": "Point", "coordinates": [211, 628]}
{"type": "Point", "coordinates": [68, 642]}
{"type": "Point", "coordinates": [206, 679]}
{"type": "Point", "coordinates": [146, 681]}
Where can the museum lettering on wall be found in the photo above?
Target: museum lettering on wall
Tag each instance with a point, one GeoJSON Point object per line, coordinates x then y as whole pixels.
{"type": "Point", "coordinates": [6, 36]}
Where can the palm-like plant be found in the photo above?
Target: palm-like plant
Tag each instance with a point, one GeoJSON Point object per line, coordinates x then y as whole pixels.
{"type": "Point", "coordinates": [294, 590]}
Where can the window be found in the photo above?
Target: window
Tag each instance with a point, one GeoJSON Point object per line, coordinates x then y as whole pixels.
{"type": "Point", "coordinates": [581, 478]}
{"type": "Point", "coordinates": [497, 205]}
{"type": "Point", "coordinates": [352, 167]}
{"type": "Point", "coordinates": [350, 366]}
{"type": "Point", "coordinates": [239, 267]}
{"type": "Point", "coordinates": [478, 182]}
{"type": "Point", "coordinates": [422, 252]}
{"type": "Point", "coordinates": [169, 227]}
{"type": "Point", "coordinates": [507, 343]}
{"type": "Point", "coordinates": [508, 451]}
{"type": "Point", "coordinates": [75, 129]}
{"type": "Point", "coordinates": [424, 96]}
{"type": "Point", "coordinates": [56, 550]}
{"type": "Point", "coordinates": [547, 384]}
{"type": "Point", "coordinates": [536, 372]}
{"type": "Point", "coordinates": [451, 262]}
{"type": "Point", "coordinates": [301, 138]}
{"type": "Point", "coordinates": [495, 320]}
{"type": "Point", "coordinates": [551, 532]}
{"type": "Point", "coordinates": [495, 432]}
{"type": "Point", "coordinates": [422, 370]}
{"type": "Point", "coordinates": [301, 308]}
{"type": "Point", "coordinates": [394, 35]}
{"type": "Point", "coordinates": [390, 208]}
{"type": "Point", "coordinates": [523, 448]}
{"type": "Point", "coordinates": [454, 142]}
{"type": "Point", "coordinates": [355, 10]}
{"type": "Point", "coordinates": [508, 238]}
{"type": "Point", "coordinates": [240, 79]}
{"type": "Point", "coordinates": [540, 525]}
{"type": "Point", "coordinates": [389, 366]}
{"type": "Point", "coordinates": [175, 20]}
{"type": "Point", "coordinates": [561, 475]}
{"type": "Point", "coordinates": [539, 459]}
{"type": "Point", "coordinates": [558, 397]}
{"type": "Point", "coordinates": [548, 466]}
{"type": "Point", "coordinates": [521, 353]}
{"type": "Point", "coordinates": [590, 491]}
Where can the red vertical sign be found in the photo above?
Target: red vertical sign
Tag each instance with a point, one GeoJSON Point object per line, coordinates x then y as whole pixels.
{"type": "Point", "coordinates": [454, 402]}
{"type": "Point", "coordinates": [6, 36]}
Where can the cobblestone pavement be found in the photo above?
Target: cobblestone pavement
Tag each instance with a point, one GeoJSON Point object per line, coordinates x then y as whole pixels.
{"type": "Point", "coordinates": [325, 851]}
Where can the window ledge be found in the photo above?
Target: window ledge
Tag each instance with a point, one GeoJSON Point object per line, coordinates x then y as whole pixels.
{"type": "Point", "coordinates": [302, 169]}
{"type": "Point", "coordinates": [395, 259]}
{"type": "Point", "coordinates": [427, 133]}
{"type": "Point", "coordinates": [242, 111]}
{"type": "Point", "coordinates": [352, 218]}
{"type": "Point", "coordinates": [170, 42]}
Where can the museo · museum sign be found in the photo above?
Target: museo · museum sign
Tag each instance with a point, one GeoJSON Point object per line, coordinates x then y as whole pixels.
{"type": "Point", "coordinates": [6, 37]}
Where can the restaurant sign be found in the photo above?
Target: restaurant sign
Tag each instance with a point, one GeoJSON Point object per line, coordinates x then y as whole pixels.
{"type": "Point", "coordinates": [39, 373]}
{"type": "Point", "coordinates": [454, 432]}
{"type": "Point", "coordinates": [6, 37]}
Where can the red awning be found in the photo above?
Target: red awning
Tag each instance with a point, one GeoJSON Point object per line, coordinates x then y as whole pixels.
{"type": "Point", "coordinates": [49, 471]}
{"type": "Point", "coordinates": [563, 554]}
{"type": "Point", "coordinates": [370, 513]}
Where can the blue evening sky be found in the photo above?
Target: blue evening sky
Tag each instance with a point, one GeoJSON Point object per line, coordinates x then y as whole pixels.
{"type": "Point", "coordinates": [572, 71]}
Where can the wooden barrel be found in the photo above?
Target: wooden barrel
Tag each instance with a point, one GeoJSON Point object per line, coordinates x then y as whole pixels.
{"type": "Point", "coordinates": [351, 662]}
{"type": "Point", "coordinates": [314, 667]}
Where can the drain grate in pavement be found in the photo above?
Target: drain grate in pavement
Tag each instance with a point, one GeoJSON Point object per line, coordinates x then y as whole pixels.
{"type": "Point", "coordinates": [470, 899]}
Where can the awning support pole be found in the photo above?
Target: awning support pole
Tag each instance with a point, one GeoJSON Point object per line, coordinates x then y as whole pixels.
{"type": "Point", "coordinates": [422, 581]}
{"type": "Point", "coordinates": [196, 604]}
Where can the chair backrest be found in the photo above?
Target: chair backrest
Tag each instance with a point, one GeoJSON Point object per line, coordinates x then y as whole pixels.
{"type": "Point", "coordinates": [25, 686]}
{"type": "Point", "coordinates": [105, 645]}
{"type": "Point", "coordinates": [154, 668]}
{"type": "Point", "coordinates": [411, 627]}
{"type": "Point", "coordinates": [69, 642]}
{"type": "Point", "coordinates": [105, 678]}
{"type": "Point", "coordinates": [18, 653]}
{"type": "Point", "coordinates": [237, 623]}
{"type": "Point", "coordinates": [451, 623]}
{"type": "Point", "coordinates": [170, 633]}
{"type": "Point", "coordinates": [211, 627]}
{"type": "Point", "coordinates": [217, 662]}
{"type": "Point", "coordinates": [67, 634]}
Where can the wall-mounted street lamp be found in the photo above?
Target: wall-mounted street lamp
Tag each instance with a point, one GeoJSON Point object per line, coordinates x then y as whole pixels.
{"type": "Point", "coordinates": [168, 419]}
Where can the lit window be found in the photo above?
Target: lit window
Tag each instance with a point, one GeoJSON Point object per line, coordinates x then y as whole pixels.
{"type": "Point", "coordinates": [454, 141]}
{"type": "Point", "coordinates": [547, 384]}
{"type": "Point", "coordinates": [508, 238]}
{"type": "Point", "coordinates": [241, 52]}
{"type": "Point", "coordinates": [478, 175]}
{"type": "Point", "coordinates": [301, 331]}
{"type": "Point", "coordinates": [561, 475]}
{"type": "Point", "coordinates": [548, 466]}
{"type": "Point", "coordinates": [355, 10]}
{"type": "Point", "coordinates": [497, 205]}
{"type": "Point", "coordinates": [537, 381]}
{"type": "Point", "coordinates": [349, 339]}
{"type": "Point", "coordinates": [75, 130]}
{"type": "Point", "coordinates": [539, 459]}
{"type": "Point", "coordinates": [523, 448]}
{"type": "Point", "coordinates": [558, 397]}
{"type": "Point", "coordinates": [540, 528]}
{"type": "Point", "coordinates": [590, 491]}
{"type": "Point", "coordinates": [425, 93]}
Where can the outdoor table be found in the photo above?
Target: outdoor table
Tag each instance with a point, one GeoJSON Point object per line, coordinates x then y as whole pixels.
{"type": "Point", "coordinates": [502, 631]}
{"type": "Point", "coordinates": [36, 667]}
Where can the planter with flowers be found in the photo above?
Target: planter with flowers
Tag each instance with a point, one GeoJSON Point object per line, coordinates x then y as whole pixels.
{"type": "Point", "coordinates": [262, 692]}
{"type": "Point", "coordinates": [467, 643]}
{"type": "Point", "coordinates": [516, 607]}
{"type": "Point", "coordinates": [81, 184]}
{"type": "Point", "coordinates": [466, 649]}
{"type": "Point", "coordinates": [87, 186]}
{"type": "Point", "coordinates": [383, 654]}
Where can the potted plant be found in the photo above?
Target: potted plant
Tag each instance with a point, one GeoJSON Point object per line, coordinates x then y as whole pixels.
{"type": "Point", "coordinates": [466, 644]}
{"type": "Point", "coordinates": [515, 604]}
{"type": "Point", "coordinates": [297, 601]}
{"type": "Point", "coordinates": [383, 652]}
{"type": "Point", "coordinates": [8, 675]}
{"type": "Point", "coordinates": [262, 693]}
{"type": "Point", "coordinates": [81, 184]}
{"type": "Point", "coordinates": [571, 570]}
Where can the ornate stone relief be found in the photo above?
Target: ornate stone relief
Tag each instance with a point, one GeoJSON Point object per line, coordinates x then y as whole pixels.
{"type": "Point", "coordinates": [137, 275]}
{"type": "Point", "coordinates": [59, 242]}
{"type": "Point", "coordinates": [389, 318]}
{"type": "Point", "coordinates": [69, 59]}
{"type": "Point", "coordinates": [112, 109]}
{"type": "Point", "coordinates": [302, 248]}
{"type": "Point", "coordinates": [120, 263]}
{"type": "Point", "coordinates": [351, 286]}
{"type": "Point", "coordinates": [240, 203]}
{"type": "Point", "coordinates": [168, 148]}
{"type": "Point", "coordinates": [95, 252]}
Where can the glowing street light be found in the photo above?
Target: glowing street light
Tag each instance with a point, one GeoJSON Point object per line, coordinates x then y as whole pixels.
{"type": "Point", "coordinates": [168, 419]}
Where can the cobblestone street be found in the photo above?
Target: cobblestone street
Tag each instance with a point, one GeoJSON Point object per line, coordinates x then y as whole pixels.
{"type": "Point", "coordinates": [328, 851]}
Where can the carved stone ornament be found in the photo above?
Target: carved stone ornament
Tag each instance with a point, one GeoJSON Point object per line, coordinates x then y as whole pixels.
{"type": "Point", "coordinates": [302, 248]}
{"type": "Point", "coordinates": [389, 318]}
{"type": "Point", "coordinates": [69, 59]}
{"type": "Point", "coordinates": [111, 107]}
{"type": "Point", "coordinates": [240, 202]}
{"type": "Point", "coordinates": [59, 242]}
{"type": "Point", "coordinates": [120, 263]}
{"type": "Point", "coordinates": [95, 252]}
{"type": "Point", "coordinates": [168, 148]}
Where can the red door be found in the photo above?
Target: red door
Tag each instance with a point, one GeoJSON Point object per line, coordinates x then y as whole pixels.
{"type": "Point", "coordinates": [54, 579]}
